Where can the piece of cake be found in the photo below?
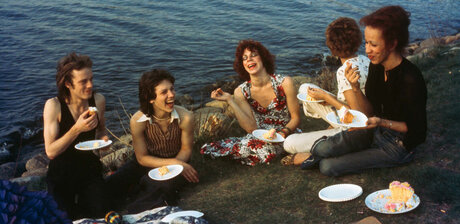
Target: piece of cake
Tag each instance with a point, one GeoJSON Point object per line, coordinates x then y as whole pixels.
{"type": "Point", "coordinates": [401, 196]}
{"type": "Point", "coordinates": [92, 110]}
{"type": "Point", "coordinates": [96, 144]}
{"type": "Point", "coordinates": [309, 98]}
{"type": "Point", "coordinates": [270, 135]}
{"type": "Point", "coordinates": [345, 116]}
{"type": "Point", "coordinates": [163, 170]}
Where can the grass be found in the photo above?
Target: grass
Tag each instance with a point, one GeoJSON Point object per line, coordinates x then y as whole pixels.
{"type": "Point", "coordinates": [229, 192]}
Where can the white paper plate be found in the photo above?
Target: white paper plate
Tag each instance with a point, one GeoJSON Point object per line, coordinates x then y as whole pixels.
{"type": "Point", "coordinates": [172, 216]}
{"type": "Point", "coordinates": [377, 204]}
{"type": "Point", "coordinates": [303, 97]}
{"type": "Point", "coordinates": [359, 120]}
{"type": "Point", "coordinates": [259, 133]}
{"type": "Point", "coordinates": [340, 192]}
{"type": "Point", "coordinates": [92, 145]}
{"type": "Point", "coordinates": [174, 170]}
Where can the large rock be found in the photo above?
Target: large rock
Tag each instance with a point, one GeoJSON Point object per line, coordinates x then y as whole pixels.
{"type": "Point", "coordinates": [118, 158]}
{"type": "Point", "coordinates": [210, 121]}
{"type": "Point", "coordinates": [33, 183]}
{"type": "Point", "coordinates": [35, 172]}
{"type": "Point", "coordinates": [226, 109]}
{"type": "Point", "coordinates": [39, 161]}
{"type": "Point", "coordinates": [7, 170]}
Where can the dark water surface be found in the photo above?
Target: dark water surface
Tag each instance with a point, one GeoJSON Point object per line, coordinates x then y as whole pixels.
{"type": "Point", "coordinates": [195, 40]}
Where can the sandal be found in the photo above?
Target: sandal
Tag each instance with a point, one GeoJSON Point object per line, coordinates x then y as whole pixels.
{"type": "Point", "coordinates": [288, 160]}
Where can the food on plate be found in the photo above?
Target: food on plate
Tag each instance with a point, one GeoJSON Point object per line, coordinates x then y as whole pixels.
{"type": "Point", "coordinates": [309, 98]}
{"type": "Point", "coordinates": [345, 116]}
{"type": "Point", "coordinates": [163, 170]}
{"type": "Point", "coordinates": [96, 144]}
{"type": "Point", "coordinates": [270, 135]}
{"type": "Point", "coordinates": [92, 110]}
{"type": "Point", "coordinates": [401, 197]}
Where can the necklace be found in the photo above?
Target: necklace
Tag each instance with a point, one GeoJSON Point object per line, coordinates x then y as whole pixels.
{"type": "Point", "coordinates": [161, 119]}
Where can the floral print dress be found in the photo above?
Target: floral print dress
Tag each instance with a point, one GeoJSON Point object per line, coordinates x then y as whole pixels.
{"type": "Point", "coordinates": [250, 150]}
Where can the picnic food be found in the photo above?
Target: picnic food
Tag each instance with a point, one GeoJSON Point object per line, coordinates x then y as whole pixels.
{"type": "Point", "coordinates": [163, 170]}
{"type": "Point", "coordinates": [345, 116]}
{"type": "Point", "coordinates": [309, 98]}
{"type": "Point", "coordinates": [96, 144]}
{"type": "Point", "coordinates": [401, 193]}
{"type": "Point", "coordinates": [92, 110]}
{"type": "Point", "coordinates": [270, 135]}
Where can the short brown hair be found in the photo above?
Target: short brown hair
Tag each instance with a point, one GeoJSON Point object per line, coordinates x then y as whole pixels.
{"type": "Point", "coordinates": [343, 37]}
{"type": "Point", "coordinates": [394, 23]}
{"type": "Point", "coordinates": [147, 84]}
{"type": "Point", "coordinates": [267, 58]}
{"type": "Point", "coordinates": [64, 70]}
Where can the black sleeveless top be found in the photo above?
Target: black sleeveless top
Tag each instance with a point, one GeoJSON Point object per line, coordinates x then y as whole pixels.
{"type": "Point", "coordinates": [73, 163]}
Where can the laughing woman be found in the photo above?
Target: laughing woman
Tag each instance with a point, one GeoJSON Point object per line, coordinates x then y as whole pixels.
{"type": "Point", "coordinates": [264, 101]}
{"type": "Point", "coordinates": [162, 135]}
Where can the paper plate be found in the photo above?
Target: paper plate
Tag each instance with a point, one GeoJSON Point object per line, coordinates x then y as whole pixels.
{"type": "Point", "coordinates": [359, 119]}
{"type": "Point", "coordinates": [259, 133]}
{"type": "Point", "coordinates": [340, 192]}
{"type": "Point", "coordinates": [303, 97]}
{"type": "Point", "coordinates": [377, 200]}
{"type": "Point", "coordinates": [172, 216]}
{"type": "Point", "coordinates": [174, 170]}
{"type": "Point", "coordinates": [92, 145]}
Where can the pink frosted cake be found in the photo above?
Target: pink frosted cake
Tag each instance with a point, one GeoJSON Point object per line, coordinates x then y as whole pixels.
{"type": "Point", "coordinates": [401, 195]}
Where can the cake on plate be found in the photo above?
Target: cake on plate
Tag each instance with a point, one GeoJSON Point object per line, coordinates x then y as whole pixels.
{"type": "Point", "coordinates": [163, 170]}
{"type": "Point", "coordinates": [270, 135]}
{"type": "Point", "coordinates": [401, 197]}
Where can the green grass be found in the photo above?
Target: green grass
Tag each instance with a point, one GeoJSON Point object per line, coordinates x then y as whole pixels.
{"type": "Point", "coordinates": [229, 192]}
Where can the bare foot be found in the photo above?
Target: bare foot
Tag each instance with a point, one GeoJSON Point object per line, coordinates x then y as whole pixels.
{"type": "Point", "coordinates": [300, 157]}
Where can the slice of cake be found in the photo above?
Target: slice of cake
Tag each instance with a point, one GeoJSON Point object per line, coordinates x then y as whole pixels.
{"type": "Point", "coordinates": [163, 170]}
{"type": "Point", "coordinates": [92, 110]}
{"type": "Point", "coordinates": [401, 196]}
{"type": "Point", "coordinates": [270, 135]}
{"type": "Point", "coordinates": [345, 116]}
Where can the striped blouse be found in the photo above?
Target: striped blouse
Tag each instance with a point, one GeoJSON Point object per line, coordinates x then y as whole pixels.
{"type": "Point", "coordinates": [163, 145]}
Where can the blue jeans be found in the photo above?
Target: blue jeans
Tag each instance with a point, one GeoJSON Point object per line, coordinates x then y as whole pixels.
{"type": "Point", "coordinates": [354, 151]}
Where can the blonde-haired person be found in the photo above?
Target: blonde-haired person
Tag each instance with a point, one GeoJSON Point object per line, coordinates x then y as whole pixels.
{"type": "Point", "coordinates": [343, 38]}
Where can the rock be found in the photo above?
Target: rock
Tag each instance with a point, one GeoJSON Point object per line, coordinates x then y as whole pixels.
{"type": "Point", "coordinates": [35, 172]}
{"type": "Point", "coordinates": [299, 80]}
{"type": "Point", "coordinates": [211, 122]}
{"type": "Point", "coordinates": [39, 161]}
{"type": "Point", "coordinates": [333, 61]}
{"type": "Point", "coordinates": [226, 109]}
{"type": "Point", "coordinates": [7, 170]}
{"type": "Point", "coordinates": [429, 43]}
{"type": "Point", "coordinates": [33, 183]}
{"type": "Point", "coordinates": [184, 100]}
{"type": "Point", "coordinates": [451, 39]}
{"type": "Point", "coordinates": [116, 159]}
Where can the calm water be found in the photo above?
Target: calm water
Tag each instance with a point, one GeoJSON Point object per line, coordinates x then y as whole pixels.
{"type": "Point", "coordinates": [194, 40]}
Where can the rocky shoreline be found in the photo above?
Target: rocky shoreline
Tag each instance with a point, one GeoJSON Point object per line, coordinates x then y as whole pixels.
{"type": "Point", "coordinates": [214, 118]}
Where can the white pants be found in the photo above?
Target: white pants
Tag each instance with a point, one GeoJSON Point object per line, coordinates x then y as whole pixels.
{"type": "Point", "coordinates": [303, 142]}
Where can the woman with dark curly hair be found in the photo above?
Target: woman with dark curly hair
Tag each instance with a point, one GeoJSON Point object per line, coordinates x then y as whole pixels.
{"type": "Point", "coordinates": [395, 103]}
{"type": "Point", "coordinates": [264, 101]}
{"type": "Point", "coordinates": [343, 38]}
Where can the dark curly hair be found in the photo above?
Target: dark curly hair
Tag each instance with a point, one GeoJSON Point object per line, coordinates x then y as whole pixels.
{"type": "Point", "coordinates": [394, 23]}
{"type": "Point", "coordinates": [267, 58]}
{"type": "Point", "coordinates": [343, 37]}
{"type": "Point", "coordinates": [64, 69]}
{"type": "Point", "coordinates": [147, 84]}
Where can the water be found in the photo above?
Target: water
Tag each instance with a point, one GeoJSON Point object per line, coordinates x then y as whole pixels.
{"type": "Point", "coordinates": [195, 40]}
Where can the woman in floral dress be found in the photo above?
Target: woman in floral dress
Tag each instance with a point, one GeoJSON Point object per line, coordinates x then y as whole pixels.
{"type": "Point", "coordinates": [264, 101]}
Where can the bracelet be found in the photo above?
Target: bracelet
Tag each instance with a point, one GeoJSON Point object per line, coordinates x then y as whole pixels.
{"type": "Point", "coordinates": [288, 132]}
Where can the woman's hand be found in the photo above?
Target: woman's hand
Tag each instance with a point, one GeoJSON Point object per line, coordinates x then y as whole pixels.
{"type": "Point", "coordinates": [219, 94]}
{"type": "Point", "coordinates": [190, 173]}
{"type": "Point", "coordinates": [373, 122]}
{"type": "Point", "coordinates": [316, 93]}
{"type": "Point", "coordinates": [352, 75]}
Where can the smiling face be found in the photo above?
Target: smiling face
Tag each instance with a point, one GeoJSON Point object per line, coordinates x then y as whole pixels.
{"type": "Point", "coordinates": [376, 49]}
{"type": "Point", "coordinates": [82, 84]}
{"type": "Point", "coordinates": [252, 62]}
{"type": "Point", "coordinates": [164, 102]}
